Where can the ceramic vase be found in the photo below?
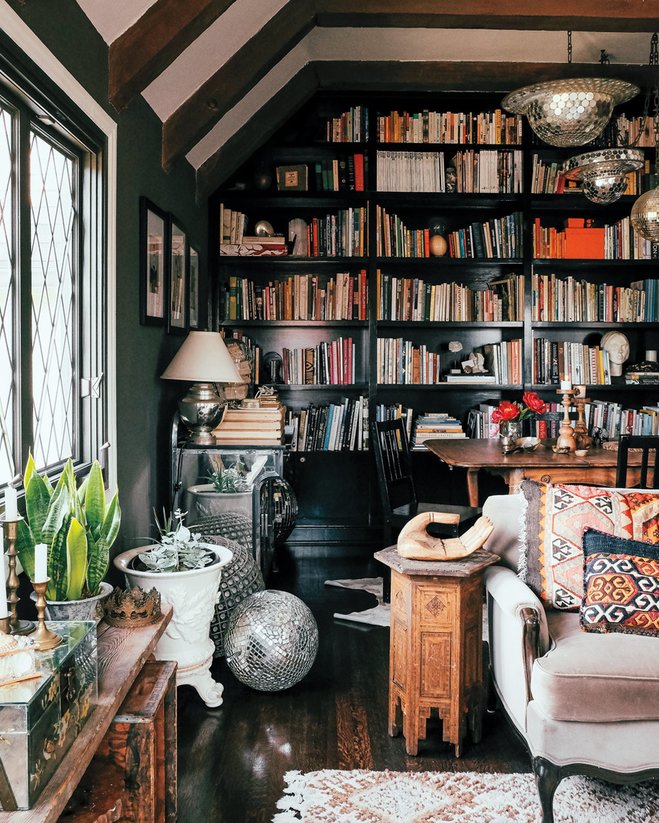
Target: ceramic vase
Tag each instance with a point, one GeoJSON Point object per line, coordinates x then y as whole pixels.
{"type": "Point", "coordinates": [192, 596]}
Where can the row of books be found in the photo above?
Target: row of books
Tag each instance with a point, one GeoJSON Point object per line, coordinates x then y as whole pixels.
{"type": "Point", "coordinates": [567, 299]}
{"type": "Point", "coordinates": [410, 171]}
{"type": "Point", "coordinates": [340, 234]}
{"type": "Point", "coordinates": [488, 172]}
{"type": "Point", "coordinates": [400, 361]}
{"type": "Point", "coordinates": [343, 296]}
{"type": "Point", "coordinates": [342, 174]}
{"type": "Point", "coordinates": [394, 239]}
{"type": "Point", "coordinates": [503, 360]}
{"type": "Point", "coordinates": [410, 299]}
{"type": "Point", "coordinates": [335, 427]}
{"type": "Point", "coordinates": [620, 242]}
{"type": "Point", "coordinates": [490, 127]}
{"type": "Point", "coordinates": [262, 425]}
{"type": "Point", "coordinates": [393, 411]}
{"type": "Point", "coordinates": [499, 238]}
{"type": "Point", "coordinates": [330, 363]}
{"type": "Point", "coordinates": [348, 127]}
{"type": "Point", "coordinates": [585, 364]}
{"type": "Point", "coordinates": [233, 225]}
{"type": "Point", "coordinates": [625, 131]}
{"type": "Point", "coordinates": [435, 425]}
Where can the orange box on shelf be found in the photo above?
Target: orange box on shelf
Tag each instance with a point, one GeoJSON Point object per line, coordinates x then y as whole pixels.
{"type": "Point", "coordinates": [588, 243]}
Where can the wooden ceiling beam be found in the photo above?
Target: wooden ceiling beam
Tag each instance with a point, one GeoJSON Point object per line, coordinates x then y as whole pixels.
{"type": "Point", "coordinates": [551, 15]}
{"type": "Point", "coordinates": [250, 137]}
{"type": "Point", "coordinates": [191, 121]}
{"type": "Point", "coordinates": [145, 50]}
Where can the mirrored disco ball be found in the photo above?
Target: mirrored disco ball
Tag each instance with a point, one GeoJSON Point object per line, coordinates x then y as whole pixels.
{"type": "Point", "coordinates": [271, 641]}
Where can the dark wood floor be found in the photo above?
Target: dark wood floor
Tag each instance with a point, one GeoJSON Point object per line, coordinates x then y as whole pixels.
{"type": "Point", "coordinates": [232, 760]}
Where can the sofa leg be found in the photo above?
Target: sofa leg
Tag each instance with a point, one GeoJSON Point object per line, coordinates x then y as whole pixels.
{"type": "Point", "coordinates": [547, 778]}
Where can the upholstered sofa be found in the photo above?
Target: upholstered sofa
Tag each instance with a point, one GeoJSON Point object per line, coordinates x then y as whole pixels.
{"type": "Point", "coordinates": [584, 703]}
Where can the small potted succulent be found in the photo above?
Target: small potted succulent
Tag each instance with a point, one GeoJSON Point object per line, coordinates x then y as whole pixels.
{"type": "Point", "coordinates": [78, 527]}
{"type": "Point", "coordinates": [186, 571]}
{"type": "Point", "coordinates": [228, 490]}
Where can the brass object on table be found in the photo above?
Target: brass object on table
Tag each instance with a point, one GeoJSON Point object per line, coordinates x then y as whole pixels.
{"type": "Point", "coordinates": [566, 442]}
{"type": "Point", "coordinates": [17, 626]}
{"type": "Point", "coordinates": [44, 638]}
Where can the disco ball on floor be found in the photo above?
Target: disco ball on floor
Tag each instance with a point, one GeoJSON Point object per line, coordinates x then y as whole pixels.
{"type": "Point", "coordinates": [271, 641]}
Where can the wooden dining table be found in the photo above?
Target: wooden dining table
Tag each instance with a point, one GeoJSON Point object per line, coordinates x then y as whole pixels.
{"type": "Point", "coordinates": [596, 468]}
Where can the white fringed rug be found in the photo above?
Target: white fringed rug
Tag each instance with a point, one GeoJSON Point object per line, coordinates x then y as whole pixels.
{"type": "Point", "coordinates": [331, 796]}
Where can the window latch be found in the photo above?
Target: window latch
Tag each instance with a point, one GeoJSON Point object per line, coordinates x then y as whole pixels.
{"type": "Point", "coordinates": [91, 387]}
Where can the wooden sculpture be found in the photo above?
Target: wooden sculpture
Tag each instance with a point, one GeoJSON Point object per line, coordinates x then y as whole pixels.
{"type": "Point", "coordinates": [414, 542]}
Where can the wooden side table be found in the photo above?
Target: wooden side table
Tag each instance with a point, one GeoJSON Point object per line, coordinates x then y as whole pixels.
{"type": "Point", "coordinates": [435, 649]}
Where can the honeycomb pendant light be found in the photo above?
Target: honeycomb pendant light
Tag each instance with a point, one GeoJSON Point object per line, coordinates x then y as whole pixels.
{"type": "Point", "coordinates": [604, 172]}
{"type": "Point", "coordinates": [645, 215]}
{"type": "Point", "coordinates": [569, 112]}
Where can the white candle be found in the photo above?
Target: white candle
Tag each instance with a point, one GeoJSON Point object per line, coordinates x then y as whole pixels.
{"type": "Point", "coordinates": [11, 503]}
{"type": "Point", "coordinates": [40, 563]}
{"type": "Point", "coordinates": [4, 611]}
{"type": "Point", "coordinates": [566, 383]}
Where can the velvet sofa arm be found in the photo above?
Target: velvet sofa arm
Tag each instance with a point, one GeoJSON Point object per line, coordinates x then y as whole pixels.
{"type": "Point", "coordinates": [518, 634]}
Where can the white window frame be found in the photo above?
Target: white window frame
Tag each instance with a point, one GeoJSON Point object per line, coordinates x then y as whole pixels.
{"type": "Point", "coordinates": [28, 42]}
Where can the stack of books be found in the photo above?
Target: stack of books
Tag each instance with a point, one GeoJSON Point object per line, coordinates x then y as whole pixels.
{"type": "Point", "coordinates": [261, 425]}
{"type": "Point", "coordinates": [256, 245]}
{"type": "Point", "coordinates": [434, 425]}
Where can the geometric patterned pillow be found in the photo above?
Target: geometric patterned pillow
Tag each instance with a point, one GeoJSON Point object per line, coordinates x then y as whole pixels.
{"type": "Point", "coordinates": [644, 514]}
{"type": "Point", "coordinates": [621, 585]}
{"type": "Point", "coordinates": [551, 558]}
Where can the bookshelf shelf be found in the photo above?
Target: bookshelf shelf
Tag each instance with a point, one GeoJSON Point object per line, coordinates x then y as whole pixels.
{"type": "Point", "coordinates": [405, 218]}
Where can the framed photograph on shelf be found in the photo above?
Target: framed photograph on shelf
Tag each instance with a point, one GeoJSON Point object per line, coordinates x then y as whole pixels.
{"type": "Point", "coordinates": [153, 264]}
{"type": "Point", "coordinates": [177, 278]}
{"type": "Point", "coordinates": [194, 302]}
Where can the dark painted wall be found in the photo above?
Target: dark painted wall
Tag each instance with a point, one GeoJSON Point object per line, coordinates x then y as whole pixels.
{"type": "Point", "coordinates": [145, 404]}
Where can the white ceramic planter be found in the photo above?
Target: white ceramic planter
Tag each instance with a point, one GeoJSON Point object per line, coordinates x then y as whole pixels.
{"type": "Point", "coordinates": [192, 595]}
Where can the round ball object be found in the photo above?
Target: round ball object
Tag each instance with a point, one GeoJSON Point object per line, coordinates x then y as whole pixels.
{"type": "Point", "coordinates": [272, 640]}
{"type": "Point", "coordinates": [438, 245]}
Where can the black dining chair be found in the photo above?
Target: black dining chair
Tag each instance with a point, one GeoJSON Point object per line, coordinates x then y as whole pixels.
{"type": "Point", "coordinates": [648, 446]}
{"type": "Point", "coordinates": [396, 484]}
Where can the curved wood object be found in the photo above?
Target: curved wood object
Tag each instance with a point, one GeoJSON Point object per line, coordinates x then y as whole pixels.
{"type": "Point", "coordinates": [414, 542]}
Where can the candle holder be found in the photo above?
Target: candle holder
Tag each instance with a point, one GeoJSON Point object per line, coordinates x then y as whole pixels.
{"type": "Point", "coordinates": [565, 442]}
{"type": "Point", "coordinates": [4, 625]}
{"type": "Point", "coordinates": [583, 440]}
{"type": "Point", "coordinates": [44, 638]}
{"type": "Point", "coordinates": [18, 626]}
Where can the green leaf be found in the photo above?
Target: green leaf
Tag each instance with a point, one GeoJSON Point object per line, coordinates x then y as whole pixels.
{"type": "Point", "coordinates": [99, 551]}
{"type": "Point", "coordinates": [76, 558]}
{"type": "Point", "coordinates": [57, 562]}
{"type": "Point", "coordinates": [25, 543]}
{"type": "Point", "coordinates": [37, 501]}
{"type": "Point", "coordinates": [95, 500]}
{"type": "Point", "coordinates": [58, 511]}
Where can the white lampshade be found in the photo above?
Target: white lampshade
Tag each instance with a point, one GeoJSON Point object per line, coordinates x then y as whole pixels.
{"type": "Point", "coordinates": [203, 358]}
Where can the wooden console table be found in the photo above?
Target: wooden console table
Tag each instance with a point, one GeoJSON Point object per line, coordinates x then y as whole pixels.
{"type": "Point", "coordinates": [121, 655]}
{"type": "Point", "coordinates": [435, 648]}
{"type": "Point", "coordinates": [597, 468]}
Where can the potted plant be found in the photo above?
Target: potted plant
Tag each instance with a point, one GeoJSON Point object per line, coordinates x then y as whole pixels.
{"type": "Point", "coordinates": [78, 526]}
{"type": "Point", "coordinates": [186, 571]}
{"type": "Point", "coordinates": [229, 490]}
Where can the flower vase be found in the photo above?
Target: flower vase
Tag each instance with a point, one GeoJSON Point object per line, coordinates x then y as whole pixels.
{"type": "Point", "coordinates": [509, 432]}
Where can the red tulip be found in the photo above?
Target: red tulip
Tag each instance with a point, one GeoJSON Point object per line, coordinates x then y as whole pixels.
{"type": "Point", "coordinates": [536, 404]}
{"type": "Point", "coordinates": [505, 411]}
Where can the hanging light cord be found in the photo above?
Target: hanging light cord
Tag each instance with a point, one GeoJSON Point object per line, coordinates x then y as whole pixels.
{"type": "Point", "coordinates": [569, 47]}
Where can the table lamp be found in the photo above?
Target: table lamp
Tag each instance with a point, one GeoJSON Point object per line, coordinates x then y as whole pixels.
{"type": "Point", "coordinates": [204, 361]}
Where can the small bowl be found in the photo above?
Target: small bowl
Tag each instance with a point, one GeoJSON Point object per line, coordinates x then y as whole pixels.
{"type": "Point", "coordinates": [581, 452]}
{"type": "Point", "coordinates": [528, 444]}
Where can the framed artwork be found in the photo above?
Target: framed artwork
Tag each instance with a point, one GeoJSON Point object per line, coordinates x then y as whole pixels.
{"type": "Point", "coordinates": [194, 301]}
{"type": "Point", "coordinates": [153, 263]}
{"type": "Point", "coordinates": [177, 278]}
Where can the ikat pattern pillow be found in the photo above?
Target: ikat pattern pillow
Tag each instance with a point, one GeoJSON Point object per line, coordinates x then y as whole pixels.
{"type": "Point", "coordinates": [621, 585]}
{"type": "Point", "coordinates": [551, 559]}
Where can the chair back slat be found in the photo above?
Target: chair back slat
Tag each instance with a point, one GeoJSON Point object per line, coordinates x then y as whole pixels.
{"type": "Point", "coordinates": [649, 448]}
{"type": "Point", "coordinates": [394, 465]}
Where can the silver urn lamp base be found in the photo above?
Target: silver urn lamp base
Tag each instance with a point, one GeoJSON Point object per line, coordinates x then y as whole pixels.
{"type": "Point", "coordinates": [202, 409]}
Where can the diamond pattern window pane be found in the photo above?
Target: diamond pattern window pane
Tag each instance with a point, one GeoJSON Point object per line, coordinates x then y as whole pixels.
{"type": "Point", "coordinates": [7, 299]}
{"type": "Point", "coordinates": [53, 319]}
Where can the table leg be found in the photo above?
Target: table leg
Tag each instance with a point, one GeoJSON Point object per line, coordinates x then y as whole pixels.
{"type": "Point", "coordinates": [472, 486]}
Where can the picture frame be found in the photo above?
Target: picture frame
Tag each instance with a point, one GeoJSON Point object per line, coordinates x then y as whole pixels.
{"type": "Point", "coordinates": [178, 276]}
{"type": "Point", "coordinates": [293, 178]}
{"type": "Point", "coordinates": [154, 263]}
{"type": "Point", "coordinates": [194, 288]}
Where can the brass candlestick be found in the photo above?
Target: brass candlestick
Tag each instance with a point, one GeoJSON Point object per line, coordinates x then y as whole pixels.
{"type": "Point", "coordinates": [4, 625]}
{"type": "Point", "coordinates": [44, 638]}
{"type": "Point", "coordinates": [581, 436]}
{"type": "Point", "coordinates": [10, 528]}
{"type": "Point", "coordinates": [565, 442]}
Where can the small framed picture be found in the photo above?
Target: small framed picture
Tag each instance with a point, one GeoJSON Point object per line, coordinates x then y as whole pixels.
{"type": "Point", "coordinates": [194, 302]}
{"type": "Point", "coordinates": [153, 264]}
{"type": "Point", "coordinates": [293, 178]}
{"type": "Point", "coordinates": [177, 278]}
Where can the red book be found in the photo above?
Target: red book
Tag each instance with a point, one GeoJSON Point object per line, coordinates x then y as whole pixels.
{"type": "Point", "coordinates": [359, 172]}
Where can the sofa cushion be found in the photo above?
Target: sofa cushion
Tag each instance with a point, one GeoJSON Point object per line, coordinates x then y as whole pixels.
{"type": "Point", "coordinates": [596, 677]}
{"type": "Point", "coordinates": [551, 559]}
{"type": "Point", "coordinates": [644, 515]}
{"type": "Point", "coordinates": [621, 585]}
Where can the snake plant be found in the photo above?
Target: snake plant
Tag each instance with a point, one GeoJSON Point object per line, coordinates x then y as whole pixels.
{"type": "Point", "coordinates": [77, 525]}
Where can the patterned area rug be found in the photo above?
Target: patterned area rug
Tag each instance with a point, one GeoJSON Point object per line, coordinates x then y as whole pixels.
{"type": "Point", "coordinates": [331, 796]}
{"type": "Point", "coordinates": [376, 615]}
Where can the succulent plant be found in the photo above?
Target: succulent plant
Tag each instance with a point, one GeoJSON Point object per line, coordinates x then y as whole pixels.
{"type": "Point", "coordinates": [178, 549]}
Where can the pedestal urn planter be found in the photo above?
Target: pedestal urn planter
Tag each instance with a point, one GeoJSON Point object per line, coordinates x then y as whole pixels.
{"type": "Point", "coordinates": [192, 595]}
